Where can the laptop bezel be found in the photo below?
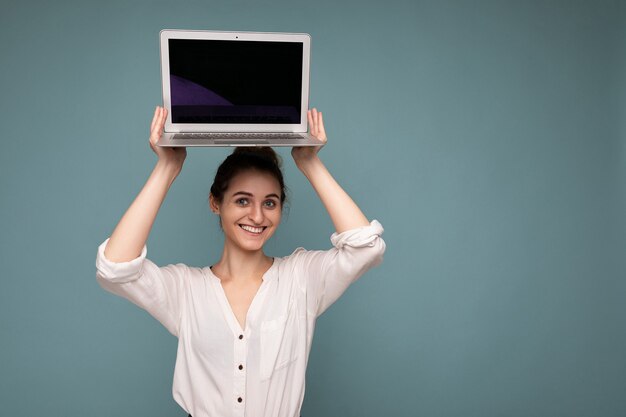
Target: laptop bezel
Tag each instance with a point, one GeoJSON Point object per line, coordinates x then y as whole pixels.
{"type": "Point", "coordinates": [170, 127]}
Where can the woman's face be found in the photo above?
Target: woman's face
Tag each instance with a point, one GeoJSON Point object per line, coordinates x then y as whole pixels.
{"type": "Point", "coordinates": [250, 210]}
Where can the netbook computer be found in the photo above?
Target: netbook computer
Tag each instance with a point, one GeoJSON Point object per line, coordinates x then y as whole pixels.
{"type": "Point", "coordinates": [235, 88]}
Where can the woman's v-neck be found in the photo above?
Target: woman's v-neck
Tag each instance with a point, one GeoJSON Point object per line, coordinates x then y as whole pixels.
{"type": "Point", "coordinates": [253, 308]}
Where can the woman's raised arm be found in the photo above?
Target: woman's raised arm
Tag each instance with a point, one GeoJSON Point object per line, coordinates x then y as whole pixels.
{"type": "Point", "coordinates": [132, 231]}
{"type": "Point", "coordinates": [343, 211]}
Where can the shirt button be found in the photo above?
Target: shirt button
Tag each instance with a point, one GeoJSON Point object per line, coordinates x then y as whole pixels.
{"type": "Point", "coordinates": [239, 399]}
{"type": "Point", "coordinates": [240, 367]}
{"type": "Point", "coordinates": [240, 336]}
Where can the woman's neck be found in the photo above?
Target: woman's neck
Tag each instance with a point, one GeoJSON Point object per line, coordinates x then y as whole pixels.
{"type": "Point", "coordinates": [241, 267]}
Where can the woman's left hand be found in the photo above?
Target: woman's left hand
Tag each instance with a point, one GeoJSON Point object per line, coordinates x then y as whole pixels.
{"type": "Point", "coordinates": [302, 154]}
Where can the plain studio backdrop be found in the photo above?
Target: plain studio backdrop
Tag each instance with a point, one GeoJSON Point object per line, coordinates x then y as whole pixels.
{"type": "Point", "coordinates": [488, 137]}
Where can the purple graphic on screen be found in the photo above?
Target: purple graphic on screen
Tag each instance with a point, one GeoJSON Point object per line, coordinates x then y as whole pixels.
{"type": "Point", "coordinates": [188, 93]}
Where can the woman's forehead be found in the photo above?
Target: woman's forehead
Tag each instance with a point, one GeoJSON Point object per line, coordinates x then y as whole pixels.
{"type": "Point", "coordinates": [254, 182]}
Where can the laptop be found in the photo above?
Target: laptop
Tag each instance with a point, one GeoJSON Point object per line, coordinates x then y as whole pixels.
{"type": "Point", "coordinates": [235, 88]}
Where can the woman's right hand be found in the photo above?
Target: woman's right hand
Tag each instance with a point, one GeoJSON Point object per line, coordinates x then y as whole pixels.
{"type": "Point", "coordinates": [175, 156]}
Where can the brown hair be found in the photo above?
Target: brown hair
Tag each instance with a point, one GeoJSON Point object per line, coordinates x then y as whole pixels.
{"type": "Point", "coordinates": [262, 159]}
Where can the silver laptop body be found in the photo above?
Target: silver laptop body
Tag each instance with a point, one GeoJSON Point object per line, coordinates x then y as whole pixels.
{"type": "Point", "coordinates": [235, 88]}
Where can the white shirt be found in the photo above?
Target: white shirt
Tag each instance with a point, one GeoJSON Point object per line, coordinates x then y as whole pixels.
{"type": "Point", "coordinates": [224, 370]}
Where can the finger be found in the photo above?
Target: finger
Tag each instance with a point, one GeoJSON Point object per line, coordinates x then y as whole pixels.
{"type": "Point", "coordinates": [163, 117]}
{"type": "Point", "coordinates": [159, 126]}
{"type": "Point", "coordinates": [155, 135]}
{"type": "Point", "coordinates": [154, 118]}
{"type": "Point", "coordinates": [310, 119]}
{"type": "Point", "coordinates": [316, 121]}
{"type": "Point", "coordinates": [158, 122]}
{"type": "Point", "coordinates": [321, 124]}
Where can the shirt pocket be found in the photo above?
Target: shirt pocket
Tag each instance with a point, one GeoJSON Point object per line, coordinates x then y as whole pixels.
{"type": "Point", "coordinates": [279, 343]}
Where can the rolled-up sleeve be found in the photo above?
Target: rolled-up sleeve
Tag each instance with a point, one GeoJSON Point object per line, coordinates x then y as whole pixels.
{"type": "Point", "coordinates": [158, 290]}
{"type": "Point", "coordinates": [328, 274]}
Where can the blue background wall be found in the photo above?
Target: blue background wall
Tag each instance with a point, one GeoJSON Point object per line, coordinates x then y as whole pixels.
{"type": "Point", "coordinates": [488, 137]}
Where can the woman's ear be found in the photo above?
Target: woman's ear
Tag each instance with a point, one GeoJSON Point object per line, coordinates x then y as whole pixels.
{"type": "Point", "coordinates": [215, 208]}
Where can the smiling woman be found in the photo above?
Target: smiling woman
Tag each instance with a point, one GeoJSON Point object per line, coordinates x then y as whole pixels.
{"type": "Point", "coordinates": [248, 194]}
{"type": "Point", "coordinates": [244, 325]}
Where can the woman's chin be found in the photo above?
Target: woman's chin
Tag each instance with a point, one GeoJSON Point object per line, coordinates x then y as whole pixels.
{"type": "Point", "coordinates": [250, 245]}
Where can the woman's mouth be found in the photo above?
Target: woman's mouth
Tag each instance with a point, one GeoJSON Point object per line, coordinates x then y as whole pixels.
{"type": "Point", "coordinates": [252, 229]}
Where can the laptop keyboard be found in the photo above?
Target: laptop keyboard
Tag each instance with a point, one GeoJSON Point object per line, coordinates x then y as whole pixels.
{"type": "Point", "coordinates": [237, 136]}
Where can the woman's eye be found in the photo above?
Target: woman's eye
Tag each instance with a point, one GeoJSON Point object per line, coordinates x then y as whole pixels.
{"type": "Point", "coordinates": [242, 201]}
{"type": "Point", "coordinates": [270, 203]}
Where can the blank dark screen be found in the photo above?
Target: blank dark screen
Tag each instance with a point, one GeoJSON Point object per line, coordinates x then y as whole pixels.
{"type": "Point", "coordinates": [223, 81]}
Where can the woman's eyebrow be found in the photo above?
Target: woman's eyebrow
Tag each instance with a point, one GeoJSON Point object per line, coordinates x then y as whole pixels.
{"type": "Point", "coordinates": [247, 194]}
{"type": "Point", "coordinates": [243, 193]}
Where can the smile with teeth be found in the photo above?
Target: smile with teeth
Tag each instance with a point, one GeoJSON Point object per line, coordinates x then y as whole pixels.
{"type": "Point", "coordinates": [255, 230]}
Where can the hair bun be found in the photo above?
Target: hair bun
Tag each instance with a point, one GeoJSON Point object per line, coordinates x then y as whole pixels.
{"type": "Point", "coordinates": [263, 159]}
{"type": "Point", "coordinates": [264, 152]}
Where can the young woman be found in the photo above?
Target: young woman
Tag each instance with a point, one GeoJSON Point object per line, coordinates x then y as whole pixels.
{"type": "Point", "coordinates": [245, 324]}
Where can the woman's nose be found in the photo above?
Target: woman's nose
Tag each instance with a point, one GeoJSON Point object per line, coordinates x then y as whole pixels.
{"type": "Point", "coordinates": [256, 214]}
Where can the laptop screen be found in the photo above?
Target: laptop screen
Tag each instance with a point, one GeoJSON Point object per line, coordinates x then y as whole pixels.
{"type": "Point", "coordinates": [235, 82]}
